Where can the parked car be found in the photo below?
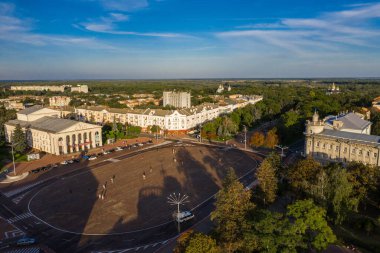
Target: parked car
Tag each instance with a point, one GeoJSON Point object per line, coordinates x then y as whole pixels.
{"type": "Point", "coordinates": [55, 165]}
{"type": "Point", "coordinates": [45, 168]}
{"type": "Point", "coordinates": [106, 152]}
{"type": "Point", "coordinates": [92, 158]}
{"type": "Point", "coordinates": [36, 170]}
{"type": "Point", "coordinates": [85, 157]}
{"type": "Point", "coordinates": [118, 149]}
{"type": "Point", "coordinates": [140, 144]}
{"type": "Point", "coordinates": [70, 161]}
{"type": "Point", "coordinates": [76, 160]}
{"type": "Point", "coordinates": [64, 163]}
{"type": "Point", "coordinates": [26, 241]}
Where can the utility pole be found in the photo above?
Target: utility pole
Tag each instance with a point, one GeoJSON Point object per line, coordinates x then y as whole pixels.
{"type": "Point", "coordinates": [13, 159]}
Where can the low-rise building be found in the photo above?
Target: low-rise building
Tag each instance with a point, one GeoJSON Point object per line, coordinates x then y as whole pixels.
{"type": "Point", "coordinates": [45, 131]}
{"type": "Point", "coordinates": [59, 101]}
{"type": "Point", "coordinates": [80, 89]}
{"type": "Point", "coordinates": [39, 88]}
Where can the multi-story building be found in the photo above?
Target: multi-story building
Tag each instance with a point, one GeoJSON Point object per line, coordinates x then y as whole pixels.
{"type": "Point", "coordinates": [343, 139]}
{"type": "Point", "coordinates": [59, 101]}
{"type": "Point", "coordinates": [39, 88]}
{"type": "Point", "coordinates": [170, 120]}
{"type": "Point", "coordinates": [45, 131]}
{"type": "Point", "coordinates": [177, 99]}
{"type": "Point", "coordinates": [80, 88]}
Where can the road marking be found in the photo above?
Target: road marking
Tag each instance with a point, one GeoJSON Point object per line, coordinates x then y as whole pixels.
{"type": "Point", "coordinates": [26, 250]}
{"type": "Point", "coordinates": [14, 233]}
{"type": "Point", "coordinates": [20, 217]}
{"type": "Point", "coordinates": [22, 189]}
{"type": "Point", "coordinates": [19, 198]}
{"type": "Point", "coordinates": [114, 160]}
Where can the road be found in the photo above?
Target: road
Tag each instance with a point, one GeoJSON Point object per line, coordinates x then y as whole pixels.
{"type": "Point", "coordinates": [14, 208]}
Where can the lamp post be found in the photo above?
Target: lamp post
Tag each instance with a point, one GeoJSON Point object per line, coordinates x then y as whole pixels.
{"type": "Point", "coordinates": [177, 199]}
{"type": "Point", "coordinates": [13, 157]}
{"type": "Point", "coordinates": [245, 137]}
{"type": "Point", "coordinates": [282, 149]}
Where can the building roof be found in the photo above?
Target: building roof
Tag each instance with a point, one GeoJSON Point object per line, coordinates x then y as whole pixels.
{"type": "Point", "coordinates": [31, 109]}
{"type": "Point", "coordinates": [350, 121]}
{"type": "Point", "coordinates": [353, 137]}
{"type": "Point", "coordinates": [46, 124]}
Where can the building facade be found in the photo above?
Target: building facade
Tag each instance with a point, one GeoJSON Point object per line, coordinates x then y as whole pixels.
{"type": "Point", "coordinates": [80, 89]}
{"type": "Point", "coordinates": [177, 99]}
{"type": "Point", "coordinates": [170, 120]}
{"type": "Point", "coordinates": [45, 131]}
{"type": "Point", "coordinates": [335, 144]}
{"type": "Point", "coordinates": [38, 88]}
{"type": "Point", "coordinates": [59, 101]}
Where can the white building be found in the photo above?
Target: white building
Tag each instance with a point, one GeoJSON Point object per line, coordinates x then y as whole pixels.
{"type": "Point", "coordinates": [59, 101]}
{"type": "Point", "coordinates": [220, 89]}
{"type": "Point", "coordinates": [170, 120]}
{"type": "Point", "coordinates": [80, 89]}
{"type": "Point", "coordinates": [39, 88]}
{"type": "Point", "coordinates": [177, 99]}
{"type": "Point", "coordinates": [45, 131]}
{"type": "Point", "coordinates": [348, 122]}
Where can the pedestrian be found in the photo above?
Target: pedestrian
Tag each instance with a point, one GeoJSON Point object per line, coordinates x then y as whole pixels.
{"type": "Point", "coordinates": [173, 150]}
{"type": "Point", "coordinates": [174, 160]}
{"type": "Point", "coordinates": [99, 196]}
{"type": "Point", "coordinates": [112, 180]}
{"type": "Point", "coordinates": [144, 176]}
{"type": "Point", "coordinates": [104, 186]}
{"type": "Point", "coordinates": [151, 169]}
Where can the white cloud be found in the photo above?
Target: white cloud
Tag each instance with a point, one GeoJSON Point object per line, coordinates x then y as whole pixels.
{"type": "Point", "coordinates": [124, 5]}
{"type": "Point", "coordinates": [334, 31]}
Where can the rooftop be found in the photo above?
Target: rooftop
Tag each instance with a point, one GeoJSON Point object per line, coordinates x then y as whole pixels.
{"type": "Point", "coordinates": [350, 121]}
{"type": "Point", "coordinates": [31, 109]}
{"type": "Point", "coordinates": [353, 137]}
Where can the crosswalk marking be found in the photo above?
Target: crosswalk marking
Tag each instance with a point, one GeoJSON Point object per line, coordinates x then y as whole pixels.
{"type": "Point", "coordinates": [26, 250]}
{"type": "Point", "coordinates": [22, 189]}
{"type": "Point", "coordinates": [19, 198]}
{"type": "Point", "coordinates": [20, 217]}
{"type": "Point", "coordinates": [14, 233]}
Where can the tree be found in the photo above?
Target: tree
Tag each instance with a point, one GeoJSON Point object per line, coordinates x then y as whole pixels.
{"type": "Point", "coordinates": [271, 139]}
{"type": "Point", "coordinates": [266, 175]}
{"type": "Point", "coordinates": [183, 241]}
{"type": "Point", "coordinates": [363, 179]}
{"type": "Point", "coordinates": [19, 140]}
{"type": "Point", "coordinates": [310, 222]}
{"type": "Point", "coordinates": [200, 243]}
{"type": "Point", "coordinates": [257, 139]}
{"type": "Point", "coordinates": [303, 174]}
{"type": "Point", "coordinates": [232, 205]}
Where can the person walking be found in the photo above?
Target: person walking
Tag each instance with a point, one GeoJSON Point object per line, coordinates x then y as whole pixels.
{"type": "Point", "coordinates": [144, 176]}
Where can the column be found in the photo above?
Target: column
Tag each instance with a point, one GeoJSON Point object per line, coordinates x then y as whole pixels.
{"type": "Point", "coordinates": [93, 139]}
{"type": "Point", "coordinates": [64, 144]}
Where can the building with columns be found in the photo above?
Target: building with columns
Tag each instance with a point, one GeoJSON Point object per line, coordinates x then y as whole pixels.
{"type": "Point", "coordinates": [45, 131]}
{"type": "Point", "coordinates": [332, 142]}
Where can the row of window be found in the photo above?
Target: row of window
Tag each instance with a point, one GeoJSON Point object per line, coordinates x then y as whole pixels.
{"type": "Point", "coordinates": [345, 150]}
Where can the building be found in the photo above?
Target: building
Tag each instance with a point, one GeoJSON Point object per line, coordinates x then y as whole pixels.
{"type": "Point", "coordinates": [39, 88]}
{"type": "Point", "coordinates": [59, 101]}
{"type": "Point", "coordinates": [333, 89]}
{"type": "Point", "coordinates": [348, 122]}
{"type": "Point", "coordinates": [177, 99]}
{"type": "Point", "coordinates": [80, 88]}
{"type": "Point", "coordinates": [220, 89]}
{"type": "Point", "coordinates": [170, 120]}
{"type": "Point", "coordinates": [45, 131]}
{"type": "Point", "coordinates": [342, 140]}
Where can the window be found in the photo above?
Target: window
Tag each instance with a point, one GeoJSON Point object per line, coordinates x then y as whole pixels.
{"type": "Point", "coordinates": [331, 146]}
{"type": "Point", "coordinates": [318, 144]}
{"type": "Point", "coordinates": [374, 155]}
{"type": "Point", "coordinates": [336, 148]}
{"type": "Point", "coordinates": [345, 150]}
{"type": "Point", "coordinates": [353, 151]}
{"type": "Point", "coordinates": [360, 152]}
{"type": "Point", "coordinates": [324, 146]}
{"type": "Point", "coordinates": [368, 153]}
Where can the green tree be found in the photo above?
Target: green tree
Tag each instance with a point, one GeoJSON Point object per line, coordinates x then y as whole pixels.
{"type": "Point", "coordinates": [200, 243]}
{"type": "Point", "coordinates": [232, 205]}
{"type": "Point", "coordinates": [19, 140]}
{"type": "Point", "coordinates": [310, 222]}
{"type": "Point", "coordinates": [266, 175]}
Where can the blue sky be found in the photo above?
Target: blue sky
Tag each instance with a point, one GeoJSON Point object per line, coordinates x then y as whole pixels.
{"type": "Point", "coordinates": [129, 39]}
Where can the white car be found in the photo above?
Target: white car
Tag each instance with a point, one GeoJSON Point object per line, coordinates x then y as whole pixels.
{"type": "Point", "coordinates": [64, 163]}
{"type": "Point", "coordinates": [118, 149]}
{"type": "Point", "coordinates": [92, 158]}
{"type": "Point", "coordinates": [140, 144]}
{"type": "Point", "coordinates": [184, 216]}
{"type": "Point", "coordinates": [106, 152]}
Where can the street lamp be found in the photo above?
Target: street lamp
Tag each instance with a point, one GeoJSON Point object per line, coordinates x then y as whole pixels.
{"type": "Point", "coordinates": [177, 199]}
{"type": "Point", "coordinates": [13, 157]}
{"type": "Point", "coordinates": [245, 137]}
{"type": "Point", "coordinates": [282, 149]}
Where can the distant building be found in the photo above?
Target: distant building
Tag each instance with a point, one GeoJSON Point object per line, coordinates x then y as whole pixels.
{"type": "Point", "coordinates": [59, 101]}
{"type": "Point", "coordinates": [80, 88]}
{"type": "Point", "coordinates": [45, 131]}
{"type": "Point", "coordinates": [343, 139]}
{"type": "Point", "coordinates": [177, 99]}
{"type": "Point", "coordinates": [333, 89]}
{"type": "Point", "coordinates": [38, 88]}
{"type": "Point", "coordinates": [220, 89]}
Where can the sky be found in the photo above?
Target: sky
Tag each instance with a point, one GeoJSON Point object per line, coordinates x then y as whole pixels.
{"type": "Point", "coordinates": [159, 39]}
